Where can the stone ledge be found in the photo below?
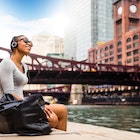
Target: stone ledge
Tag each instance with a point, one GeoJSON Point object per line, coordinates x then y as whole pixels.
{"type": "Point", "coordinates": [77, 131]}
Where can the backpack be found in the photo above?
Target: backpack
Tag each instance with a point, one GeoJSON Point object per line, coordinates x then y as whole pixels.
{"type": "Point", "coordinates": [24, 117]}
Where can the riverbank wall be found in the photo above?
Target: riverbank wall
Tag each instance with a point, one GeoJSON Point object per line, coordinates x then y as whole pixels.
{"type": "Point", "coordinates": [77, 131]}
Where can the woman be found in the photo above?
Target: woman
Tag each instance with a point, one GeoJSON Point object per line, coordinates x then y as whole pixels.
{"type": "Point", "coordinates": [13, 77]}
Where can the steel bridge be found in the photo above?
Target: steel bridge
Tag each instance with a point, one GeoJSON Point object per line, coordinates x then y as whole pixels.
{"type": "Point", "coordinates": [48, 70]}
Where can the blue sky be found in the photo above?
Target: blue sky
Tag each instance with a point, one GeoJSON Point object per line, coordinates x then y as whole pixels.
{"type": "Point", "coordinates": [31, 9]}
{"type": "Point", "coordinates": [30, 17]}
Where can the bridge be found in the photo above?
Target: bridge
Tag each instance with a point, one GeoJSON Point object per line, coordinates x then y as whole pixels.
{"type": "Point", "coordinates": [48, 70]}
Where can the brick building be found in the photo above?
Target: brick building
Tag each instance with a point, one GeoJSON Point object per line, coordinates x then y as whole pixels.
{"type": "Point", "coordinates": [124, 48]}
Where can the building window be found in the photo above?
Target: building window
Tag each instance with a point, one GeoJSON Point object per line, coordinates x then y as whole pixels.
{"type": "Point", "coordinates": [98, 51]}
{"type": "Point", "coordinates": [128, 47]}
{"type": "Point", "coordinates": [128, 40]}
{"type": "Point", "coordinates": [119, 43]}
{"type": "Point", "coordinates": [135, 52]}
{"type": "Point", "coordinates": [111, 59]}
{"type": "Point", "coordinates": [135, 45]}
{"type": "Point", "coordinates": [102, 62]}
{"type": "Point", "coordinates": [106, 48]}
{"type": "Point", "coordinates": [135, 37]}
{"type": "Point", "coordinates": [106, 54]}
{"type": "Point", "coordinates": [119, 49]}
{"type": "Point", "coordinates": [119, 63]}
{"type": "Point", "coordinates": [129, 54]}
{"type": "Point", "coordinates": [102, 50]}
{"type": "Point", "coordinates": [98, 57]}
{"type": "Point", "coordinates": [129, 60]}
{"type": "Point", "coordinates": [111, 53]}
{"type": "Point", "coordinates": [119, 56]}
{"type": "Point", "coordinates": [102, 55]}
{"type": "Point", "coordinates": [106, 60]}
{"type": "Point", "coordinates": [136, 59]}
{"type": "Point", "coordinates": [111, 46]}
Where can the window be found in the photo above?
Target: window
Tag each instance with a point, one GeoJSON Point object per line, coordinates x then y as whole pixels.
{"type": "Point", "coordinates": [119, 63]}
{"type": "Point", "coordinates": [120, 49]}
{"type": "Point", "coordinates": [106, 60]}
{"type": "Point", "coordinates": [111, 53]}
{"type": "Point", "coordinates": [135, 45]}
{"type": "Point", "coordinates": [129, 54]}
{"type": "Point", "coordinates": [106, 54]}
{"type": "Point", "coordinates": [102, 50]}
{"type": "Point", "coordinates": [119, 56]}
{"type": "Point", "coordinates": [102, 55]}
{"type": "Point", "coordinates": [111, 59]}
{"type": "Point", "coordinates": [136, 59]}
{"type": "Point", "coordinates": [128, 40]}
{"type": "Point", "coordinates": [129, 60]}
{"type": "Point", "coordinates": [135, 52]}
{"type": "Point", "coordinates": [135, 37]}
{"type": "Point", "coordinates": [106, 48]}
{"type": "Point", "coordinates": [119, 43]}
{"type": "Point", "coordinates": [97, 57]}
{"type": "Point", "coordinates": [111, 46]}
{"type": "Point", "coordinates": [98, 51]}
{"type": "Point", "coordinates": [128, 47]}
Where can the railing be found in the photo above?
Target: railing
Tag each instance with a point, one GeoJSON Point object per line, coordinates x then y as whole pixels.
{"type": "Point", "coordinates": [38, 62]}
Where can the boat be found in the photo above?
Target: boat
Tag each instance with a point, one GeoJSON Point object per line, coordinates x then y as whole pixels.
{"type": "Point", "coordinates": [119, 100]}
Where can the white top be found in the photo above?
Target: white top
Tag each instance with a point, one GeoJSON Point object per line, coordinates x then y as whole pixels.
{"type": "Point", "coordinates": [12, 80]}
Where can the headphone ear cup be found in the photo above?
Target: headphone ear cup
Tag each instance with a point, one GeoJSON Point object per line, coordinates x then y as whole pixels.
{"type": "Point", "coordinates": [14, 44]}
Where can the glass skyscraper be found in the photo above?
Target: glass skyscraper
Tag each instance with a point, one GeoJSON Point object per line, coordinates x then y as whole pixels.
{"type": "Point", "coordinates": [90, 22]}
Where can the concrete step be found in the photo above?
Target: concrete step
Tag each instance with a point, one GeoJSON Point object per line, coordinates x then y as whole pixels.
{"type": "Point", "coordinates": [77, 131]}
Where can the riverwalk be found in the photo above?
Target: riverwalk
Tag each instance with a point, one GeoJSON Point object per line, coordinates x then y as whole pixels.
{"type": "Point", "coordinates": [77, 131]}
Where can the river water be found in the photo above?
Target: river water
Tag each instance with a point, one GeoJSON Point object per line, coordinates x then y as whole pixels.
{"type": "Point", "coordinates": [118, 117]}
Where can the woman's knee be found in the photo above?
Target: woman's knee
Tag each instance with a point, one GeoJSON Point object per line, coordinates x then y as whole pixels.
{"type": "Point", "coordinates": [60, 110]}
{"type": "Point", "coordinates": [64, 110]}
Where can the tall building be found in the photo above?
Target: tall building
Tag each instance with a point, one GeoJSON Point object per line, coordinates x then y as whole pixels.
{"type": "Point", "coordinates": [124, 48]}
{"type": "Point", "coordinates": [46, 44]}
{"type": "Point", "coordinates": [90, 22]}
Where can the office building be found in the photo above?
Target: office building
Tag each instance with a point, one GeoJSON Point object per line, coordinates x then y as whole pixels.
{"type": "Point", "coordinates": [90, 23]}
{"type": "Point", "coordinates": [46, 44]}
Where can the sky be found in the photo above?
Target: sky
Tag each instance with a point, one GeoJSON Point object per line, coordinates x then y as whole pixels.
{"type": "Point", "coordinates": [30, 17]}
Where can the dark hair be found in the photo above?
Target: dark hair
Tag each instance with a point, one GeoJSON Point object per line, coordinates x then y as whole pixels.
{"type": "Point", "coordinates": [14, 39]}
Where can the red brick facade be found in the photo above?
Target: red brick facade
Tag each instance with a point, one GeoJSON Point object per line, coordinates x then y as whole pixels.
{"type": "Point", "coordinates": [124, 48]}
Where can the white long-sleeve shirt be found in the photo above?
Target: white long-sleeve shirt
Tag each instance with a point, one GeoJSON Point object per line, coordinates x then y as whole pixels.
{"type": "Point", "coordinates": [12, 80]}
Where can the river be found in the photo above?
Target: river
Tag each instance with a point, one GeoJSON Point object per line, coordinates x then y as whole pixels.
{"type": "Point", "coordinates": [118, 117]}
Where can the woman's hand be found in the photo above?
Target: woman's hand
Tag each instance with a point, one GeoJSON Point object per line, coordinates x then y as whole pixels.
{"type": "Point", "coordinates": [51, 116]}
{"type": "Point", "coordinates": [17, 97]}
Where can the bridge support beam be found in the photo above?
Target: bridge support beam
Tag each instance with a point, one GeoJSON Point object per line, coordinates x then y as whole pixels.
{"type": "Point", "coordinates": [76, 94]}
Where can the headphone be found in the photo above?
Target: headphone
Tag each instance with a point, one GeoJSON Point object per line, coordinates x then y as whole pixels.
{"type": "Point", "coordinates": [14, 44]}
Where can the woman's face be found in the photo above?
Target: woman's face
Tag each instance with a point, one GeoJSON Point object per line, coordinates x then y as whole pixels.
{"type": "Point", "coordinates": [24, 45]}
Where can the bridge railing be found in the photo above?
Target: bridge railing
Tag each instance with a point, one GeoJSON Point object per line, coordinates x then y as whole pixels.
{"type": "Point", "coordinates": [49, 63]}
{"type": "Point", "coordinates": [38, 62]}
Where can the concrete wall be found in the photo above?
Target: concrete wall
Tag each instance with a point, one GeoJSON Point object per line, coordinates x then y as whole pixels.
{"type": "Point", "coordinates": [76, 94]}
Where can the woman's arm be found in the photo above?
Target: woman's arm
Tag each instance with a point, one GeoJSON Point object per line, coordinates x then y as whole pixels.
{"type": "Point", "coordinates": [16, 96]}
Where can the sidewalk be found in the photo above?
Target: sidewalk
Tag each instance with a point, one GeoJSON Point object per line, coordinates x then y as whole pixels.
{"type": "Point", "coordinates": [77, 131]}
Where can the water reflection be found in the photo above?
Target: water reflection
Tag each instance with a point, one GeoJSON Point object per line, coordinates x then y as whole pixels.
{"type": "Point", "coordinates": [119, 117]}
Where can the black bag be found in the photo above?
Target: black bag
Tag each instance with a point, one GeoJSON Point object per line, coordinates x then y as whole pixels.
{"type": "Point", "coordinates": [24, 117]}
